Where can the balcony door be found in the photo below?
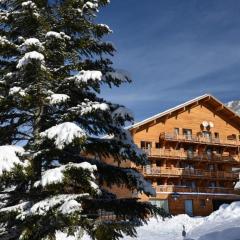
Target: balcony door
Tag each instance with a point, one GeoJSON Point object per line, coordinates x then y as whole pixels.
{"type": "Point", "coordinates": [189, 207]}
{"type": "Point", "coordinates": [146, 146]}
{"type": "Point", "coordinates": [207, 135]}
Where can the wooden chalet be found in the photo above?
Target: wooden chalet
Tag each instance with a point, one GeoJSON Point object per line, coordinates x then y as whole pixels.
{"type": "Point", "coordinates": [193, 149]}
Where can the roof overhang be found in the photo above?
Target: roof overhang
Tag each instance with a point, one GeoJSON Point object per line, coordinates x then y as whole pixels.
{"type": "Point", "coordinates": [208, 100]}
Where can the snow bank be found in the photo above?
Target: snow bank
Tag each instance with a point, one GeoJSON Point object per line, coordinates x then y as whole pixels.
{"type": "Point", "coordinates": [63, 134]}
{"type": "Point", "coordinates": [220, 225]}
{"type": "Point", "coordinates": [223, 224]}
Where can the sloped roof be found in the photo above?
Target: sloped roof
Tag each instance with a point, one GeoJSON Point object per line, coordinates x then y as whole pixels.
{"type": "Point", "coordinates": [233, 115]}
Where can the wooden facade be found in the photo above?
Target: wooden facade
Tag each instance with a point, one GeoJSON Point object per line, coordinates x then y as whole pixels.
{"type": "Point", "coordinates": [193, 149]}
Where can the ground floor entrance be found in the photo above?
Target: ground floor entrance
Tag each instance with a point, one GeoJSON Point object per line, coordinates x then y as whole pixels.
{"type": "Point", "coordinates": [191, 204]}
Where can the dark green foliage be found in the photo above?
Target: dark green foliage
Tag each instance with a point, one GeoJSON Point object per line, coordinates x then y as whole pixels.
{"type": "Point", "coordinates": [50, 48]}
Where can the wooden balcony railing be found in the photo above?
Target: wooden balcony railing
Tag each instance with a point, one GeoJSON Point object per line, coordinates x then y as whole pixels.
{"type": "Point", "coordinates": [185, 155]}
{"type": "Point", "coordinates": [199, 139]}
{"type": "Point", "coordinates": [189, 172]}
{"type": "Point", "coordinates": [172, 189]}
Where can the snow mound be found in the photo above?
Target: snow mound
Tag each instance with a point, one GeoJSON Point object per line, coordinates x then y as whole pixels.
{"type": "Point", "coordinates": [9, 157]}
{"type": "Point", "coordinates": [63, 134]}
{"type": "Point", "coordinates": [220, 225]}
{"type": "Point", "coordinates": [223, 224]}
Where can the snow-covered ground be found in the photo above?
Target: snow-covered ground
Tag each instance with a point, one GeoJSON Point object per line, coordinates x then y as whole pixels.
{"type": "Point", "coordinates": [223, 224]}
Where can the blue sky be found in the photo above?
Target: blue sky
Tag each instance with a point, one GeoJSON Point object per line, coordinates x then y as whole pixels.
{"type": "Point", "coordinates": [175, 50]}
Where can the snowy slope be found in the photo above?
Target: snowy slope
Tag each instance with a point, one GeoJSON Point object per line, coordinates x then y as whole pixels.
{"type": "Point", "coordinates": [234, 105]}
{"type": "Point", "coordinates": [223, 224]}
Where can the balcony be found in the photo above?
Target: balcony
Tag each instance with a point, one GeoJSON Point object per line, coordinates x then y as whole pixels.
{"type": "Point", "coordinates": [188, 173]}
{"type": "Point", "coordinates": [199, 139]}
{"type": "Point", "coordinates": [194, 156]}
{"type": "Point", "coordinates": [185, 189]}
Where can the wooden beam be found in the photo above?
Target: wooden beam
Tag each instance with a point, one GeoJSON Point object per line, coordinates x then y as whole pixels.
{"type": "Point", "coordinates": [233, 117]}
{"type": "Point", "coordinates": [207, 100]}
{"type": "Point", "coordinates": [219, 108]}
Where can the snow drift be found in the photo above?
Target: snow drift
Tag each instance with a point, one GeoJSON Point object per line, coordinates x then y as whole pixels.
{"type": "Point", "coordinates": [223, 224]}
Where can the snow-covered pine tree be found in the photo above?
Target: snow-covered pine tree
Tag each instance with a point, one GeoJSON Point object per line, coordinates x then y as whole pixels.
{"type": "Point", "coordinates": [53, 64]}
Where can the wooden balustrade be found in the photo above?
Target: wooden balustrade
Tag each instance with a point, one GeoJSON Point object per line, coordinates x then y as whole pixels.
{"type": "Point", "coordinates": [172, 189]}
{"type": "Point", "coordinates": [199, 139]}
{"type": "Point", "coordinates": [185, 155]}
{"type": "Point", "coordinates": [188, 172]}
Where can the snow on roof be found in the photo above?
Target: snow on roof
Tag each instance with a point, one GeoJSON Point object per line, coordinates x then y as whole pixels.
{"type": "Point", "coordinates": [177, 108]}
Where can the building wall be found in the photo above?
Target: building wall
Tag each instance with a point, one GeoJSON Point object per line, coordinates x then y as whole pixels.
{"type": "Point", "coordinates": [190, 118]}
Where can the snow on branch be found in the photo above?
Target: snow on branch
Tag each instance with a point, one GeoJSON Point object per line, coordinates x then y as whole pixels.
{"type": "Point", "coordinates": [9, 157]}
{"type": "Point", "coordinates": [63, 134]}
{"type": "Point", "coordinates": [17, 90]}
{"type": "Point", "coordinates": [106, 27]}
{"type": "Point", "coordinates": [4, 42]}
{"type": "Point", "coordinates": [29, 58]}
{"type": "Point", "coordinates": [57, 98]}
{"type": "Point", "coordinates": [30, 4]}
{"type": "Point", "coordinates": [91, 5]}
{"type": "Point", "coordinates": [118, 75]}
{"type": "Point", "coordinates": [122, 112]}
{"type": "Point", "coordinates": [89, 107]}
{"type": "Point", "coordinates": [86, 76]}
{"type": "Point", "coordinates": [30, 43]}
{"type": "Point", "coordinates": [56, 175]}
{"type": "Point", "coordinates": [57, 35]}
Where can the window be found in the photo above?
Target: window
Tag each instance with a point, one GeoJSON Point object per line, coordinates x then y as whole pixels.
{"type": "Point", "coordinates": [232, 137]}
{"type": "Point", "coordinates": [216, 135]}
{"type": "Point", "coordinates": [190, 152]}
{"type": "Point", "coordinates": [158, 163]}
{"type": "Point", "coordinates": [212, 184]}
{"type": "Point", "coordinates": [157, 145]}
{"type": "Point", "coordinates": [187, 133]}
{"type": "Point", "coordinates": [161, 204]}
{"type": "Point", "coordinates": [207, 135]}
{"type": "Point", "coordinates": [209, 153]}
{"type": "Point", "coordinates": [160, 182]}
{"type": "Point", "coordinates": [211, 167]}
{"type": "Point", "coordinates": [202, 203]}
{"type": "Point", "coordinates": [146, 145]}
{"type": "Point", "coordinates": [176, 131]}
